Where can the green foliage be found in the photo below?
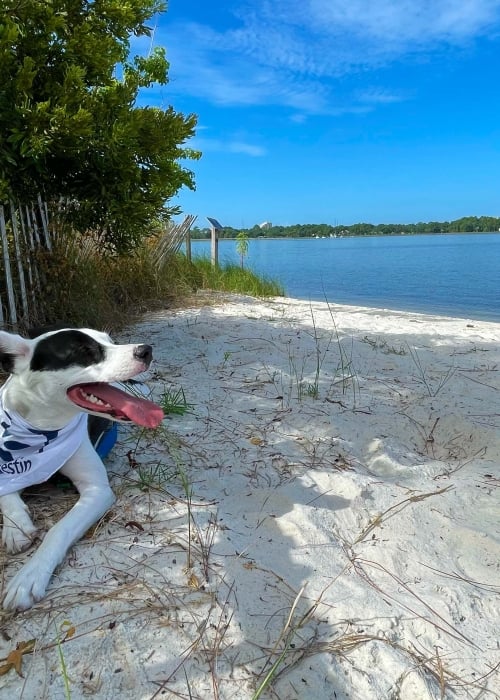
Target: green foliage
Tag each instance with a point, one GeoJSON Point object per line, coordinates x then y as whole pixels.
{"type": "Point", "coordinates": [151, 477]}
{"type": "Point", "coordinates": [69, 126]}
{"type": "Point", "coordinates": [228, 277]}
{"type": "Point", "coordinates": [242, 246]}
{"type": "Point", "coordinates": [467, 224]}
{"type": "Point", "coordinates": [174, 402]}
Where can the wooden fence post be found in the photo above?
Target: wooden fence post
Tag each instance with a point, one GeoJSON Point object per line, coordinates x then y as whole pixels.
{"type": "Point", "coordinates": [8, 272]}
{"type": "Point", "coordinates": [215, 227]}
{"type": "Point", "coordinates": [33, 277]}
{"type": "Point", "coordinates": [45, 223]}
{"type": "Point", "coordinates": [17, 248]}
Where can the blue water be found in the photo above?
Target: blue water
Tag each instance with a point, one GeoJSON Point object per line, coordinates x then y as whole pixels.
{"type": "Point", "coordinates": [452, 275]}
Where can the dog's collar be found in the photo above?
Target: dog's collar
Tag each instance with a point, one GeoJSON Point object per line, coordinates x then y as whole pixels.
{"type": "Point", "coordinates": [29, 455]}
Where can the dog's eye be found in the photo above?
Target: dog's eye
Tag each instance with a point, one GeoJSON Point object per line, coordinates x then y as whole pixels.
{"type": "Point", "coordinates": [65, 349]}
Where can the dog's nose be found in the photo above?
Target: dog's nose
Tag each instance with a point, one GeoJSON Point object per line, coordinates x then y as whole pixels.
{"type": "Point", "coordinates": [144, 353]}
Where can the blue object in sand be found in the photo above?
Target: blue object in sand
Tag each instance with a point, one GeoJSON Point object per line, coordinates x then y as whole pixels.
{"type": "Point", "coordinates": [105, 441]}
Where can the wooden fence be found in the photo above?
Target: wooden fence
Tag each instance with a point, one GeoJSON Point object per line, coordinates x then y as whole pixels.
{"type": "Point", "coordinates": [25, 230]}
{"type": "Point", "coordinates": [173, 238]}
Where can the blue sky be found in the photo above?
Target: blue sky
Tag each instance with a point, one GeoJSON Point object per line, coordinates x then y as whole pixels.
{"type": "Point", "coordinates": [337, 111]}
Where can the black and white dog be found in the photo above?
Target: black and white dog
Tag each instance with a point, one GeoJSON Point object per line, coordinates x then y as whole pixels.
{"type": "Point", "coordinates": [55, 380]}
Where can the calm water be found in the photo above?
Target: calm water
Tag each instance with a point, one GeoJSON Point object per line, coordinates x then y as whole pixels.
{"type": "Point", "coordinates": [453, 275]}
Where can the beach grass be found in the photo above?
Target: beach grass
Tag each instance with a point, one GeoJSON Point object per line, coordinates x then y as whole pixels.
{"type": "Point", "coordinates": [226, 277]}
{"type": "Point", "coordinates": [174, 402]}
{"type": "Point", "coordinates": [89, 287]}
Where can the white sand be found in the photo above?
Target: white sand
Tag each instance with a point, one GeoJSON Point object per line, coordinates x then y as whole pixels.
{"type": "Point", "coordinates": [344, 469]}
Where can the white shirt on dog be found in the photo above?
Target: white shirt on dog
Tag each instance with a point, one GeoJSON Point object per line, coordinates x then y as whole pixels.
{"type": "Point", "coordinates": [31, 456]}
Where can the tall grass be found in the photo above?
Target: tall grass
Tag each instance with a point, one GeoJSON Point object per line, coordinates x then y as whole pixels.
{"type": "Point", "coordinates": [86, 286]}
{"type": "Point", "coordinates": [227, 277]}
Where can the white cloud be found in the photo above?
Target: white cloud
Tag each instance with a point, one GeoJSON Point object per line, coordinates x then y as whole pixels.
{"type": "Point", "coordinates": [374, 96]}
{"type": "Point", "coordinates": [248, 148]}
{"type": "Point", "coordinates": [403, 22]}
{"type": "Point", "coordinates": [228, 146]}
{"type": "Point", "coordinates": [290, 52]}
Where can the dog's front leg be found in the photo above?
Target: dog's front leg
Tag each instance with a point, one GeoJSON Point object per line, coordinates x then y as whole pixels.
{"type": "Point", "coordinates": [88, 474]}
{"type": "Point", "coordinates": [17, 529]}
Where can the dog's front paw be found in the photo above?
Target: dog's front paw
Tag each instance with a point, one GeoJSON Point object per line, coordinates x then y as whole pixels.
{"type": "Point", "coordinates": [18, 537]}
{"type": "Point", "coordinates": [26, 588]}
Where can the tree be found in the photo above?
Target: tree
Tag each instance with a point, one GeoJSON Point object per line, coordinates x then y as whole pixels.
{"type": "Point", "coordinates": [69, 124]}
{"type": "Point", "coordinates": [242, 246]}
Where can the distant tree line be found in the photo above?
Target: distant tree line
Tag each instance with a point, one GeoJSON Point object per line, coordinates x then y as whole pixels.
{"type": "Point", "coordinates": [468, 224]}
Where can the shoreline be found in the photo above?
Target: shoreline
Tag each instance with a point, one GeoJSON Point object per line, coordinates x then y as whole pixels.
{"type": "Point", "coordinates": [402, 273]}
{"type": "Point", "coordinates": [331, 491]}
{"type": "Point", "coordinates": [340, 306]}
{"type": "Point", "coordinates": [452, 314]}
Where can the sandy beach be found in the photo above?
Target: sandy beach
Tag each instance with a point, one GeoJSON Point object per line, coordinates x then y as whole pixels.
{"type": "Point", "coordinates": [323, 522]}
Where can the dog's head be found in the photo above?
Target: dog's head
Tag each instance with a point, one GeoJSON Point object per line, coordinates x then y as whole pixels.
{"type": "Point", "coordinates": [61, 372]}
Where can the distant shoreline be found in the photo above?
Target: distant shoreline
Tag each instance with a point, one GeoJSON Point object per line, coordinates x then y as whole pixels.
{"type": "Point", "coordinates": [354, 235]}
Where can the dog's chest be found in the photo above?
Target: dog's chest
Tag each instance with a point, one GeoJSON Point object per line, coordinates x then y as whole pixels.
{"type": "Point", "coordinates": [31, 456]}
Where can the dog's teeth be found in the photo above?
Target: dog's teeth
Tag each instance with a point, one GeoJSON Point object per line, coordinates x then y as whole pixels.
{"type": "Point", "coordinates": [93, 399]}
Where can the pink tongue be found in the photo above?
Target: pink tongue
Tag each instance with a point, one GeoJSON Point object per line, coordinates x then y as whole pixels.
{"type": "Point", "coordinates": [137, 409]}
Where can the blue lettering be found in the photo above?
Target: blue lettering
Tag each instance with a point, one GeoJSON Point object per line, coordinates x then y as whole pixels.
{"type": "Point", "coordinates": [18, 466]}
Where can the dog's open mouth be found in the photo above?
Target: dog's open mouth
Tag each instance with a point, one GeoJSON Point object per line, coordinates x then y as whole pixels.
{"type": "Point", "coordinates": [99, 397]}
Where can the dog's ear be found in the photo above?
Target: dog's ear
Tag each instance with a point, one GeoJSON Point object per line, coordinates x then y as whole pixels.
{"type": "Point", "coordinates": [12, 349]}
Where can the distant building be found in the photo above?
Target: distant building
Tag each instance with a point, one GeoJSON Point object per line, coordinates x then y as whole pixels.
{"type": "Point", "coordinates": [266, 225]}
